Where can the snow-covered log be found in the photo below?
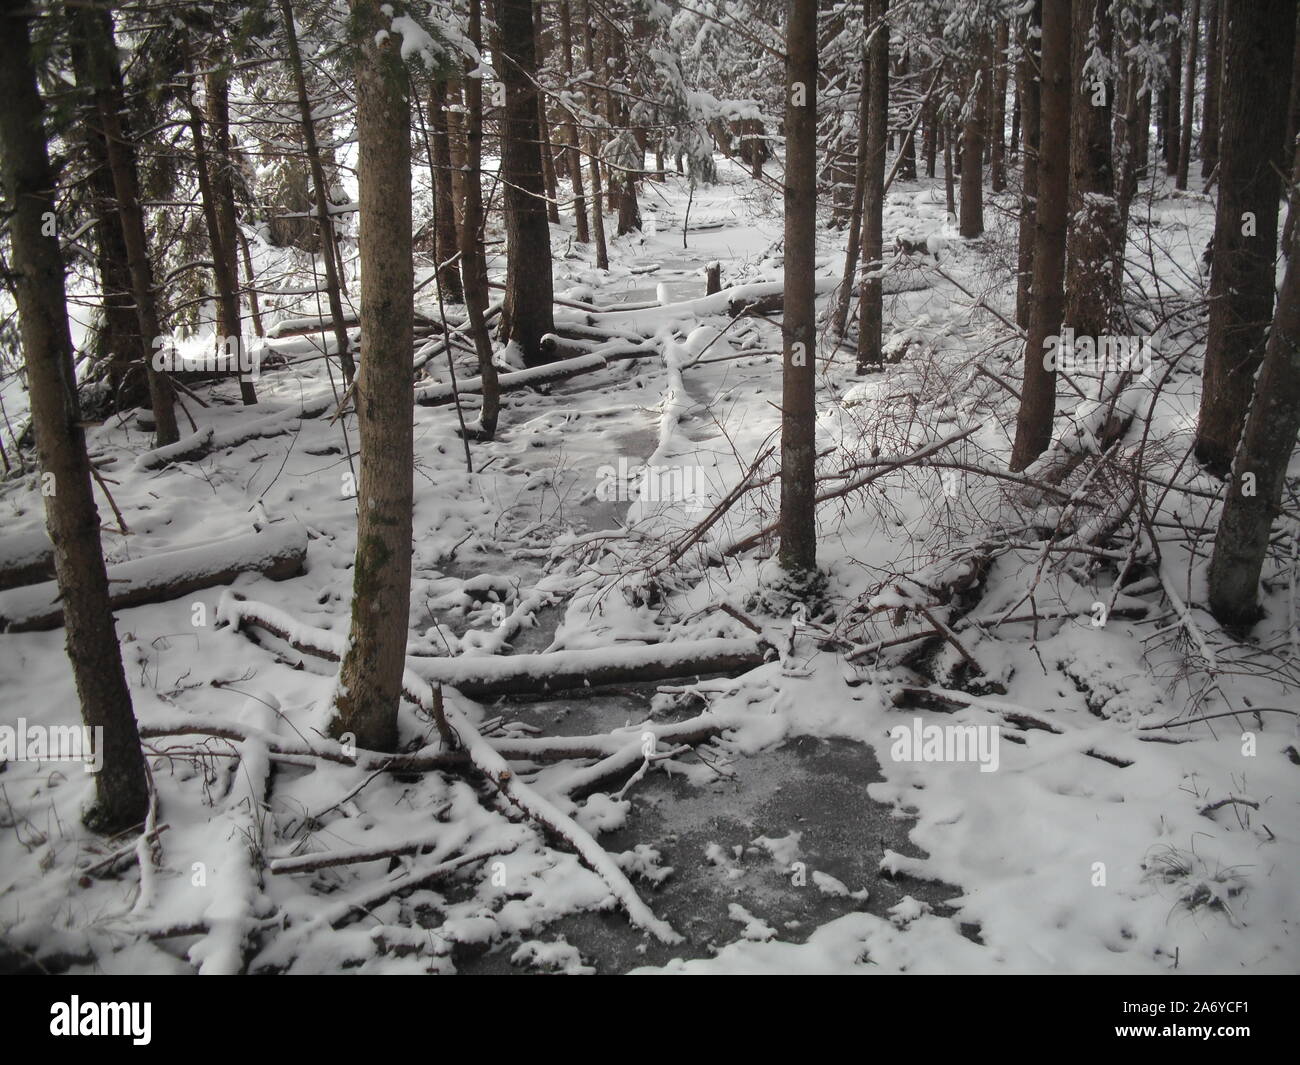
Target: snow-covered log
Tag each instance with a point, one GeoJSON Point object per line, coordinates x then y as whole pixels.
{"type": "Point", "coordinates": [234, 884]}
{"type": "Point", "coordinates": [278, 553]}
{"type": "Point", "coordinates": [493, 766]}
{"type": "Point", "coordinates": [611, 350]}
{"type": "Point", "coordinates": [490, 676]}
{"type": "Point", "coordinates": [209, 439]}
{"type": "Point", "coordinates": [26, 559]}
{"type": "Point", "coordinates": [548, 373]}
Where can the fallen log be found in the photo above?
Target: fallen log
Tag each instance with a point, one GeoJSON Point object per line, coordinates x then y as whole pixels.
{"type": "Point", "coordinates": [533, 749]}
{"type": "Point", "coordinates": [440, 394]}
{"type": "Point", "coordinates": [26, 559]}
{"type": "Point", "coordinates": [209, 439]}
{"type": "Point", "coordinates": [765, 293]}
{"type": "Point", "coordinates": [615, 350]}
{"type": "Point", "coordinates": [483, 677]}
{"type": "Point", "coordinates": [486, 759]}
{"type": "Point", "coordinates": [495, 768]}
{"type": "Point", "coordinates": [1102, 425]}
{"type": "Point", "coordinates": [490, 676]}
{"type": "Point", "coordinates": [236, 849]}
{"type": "Point", "coordinates": [277, 553]}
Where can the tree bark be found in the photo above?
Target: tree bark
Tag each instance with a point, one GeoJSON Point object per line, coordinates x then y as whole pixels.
{"type": "Point", "coordinates": [907, 168]}
{"type": "Point", "coordinates": [329, 248]}
{"type": "Point", "coordinates": [1038, 391]}
{"type": "Point", "coordinates": [528, 313]}
{"type": "Point", "coordinates": [473, 266]}
{"type": "Point", "coordinates": [95, 28]}
{"type": "Point", "coordinates": [217, 91]}
{"type": "Point", "coordinates": [1096, 242]}
{"type": "Point", "coordinates": [230, 325]}
{"type": "Point", "coordinates": [1028, 84]}
{"type": "Point", "coordinates": [972, 149]}
{"type": "Point", "coordinates": [931, 138]}
{"type": "Point", "coordinates": [998, 116]}
{"type": "Point", "coordinates": [119, 340]}
{"type": "Point", "coordinates": [1213, 84]}
{"type": "Point", "coordinates": [593, 148]}
{"type": "Point", "coordinates": [798, 554]}
{"type": "Point", "coordinates": [1257, 62]}
{"type": "Point", "coordinates": [121, 792]}
{"type": "Point", "coordinates": [370, 680]}
{"type": "Point", "coordinates": [1293, 111]}
{"type": "Point", "coordinates": [1266, 446]}
{"type": "Point", "coordinates": [446, 242]}
{"type": "Point", "coordinates": [570, 131]}
{"type": "Point", "coordinates": [544, 124]}
{"type": "Point", "coordinates": [1189, 95]}
{"type": "Point", "coordinates": [871, 315]}
{"type": "Point", "coordinates": [1173, 115]}
{"type": "Point", "coordinates": [853, 246]}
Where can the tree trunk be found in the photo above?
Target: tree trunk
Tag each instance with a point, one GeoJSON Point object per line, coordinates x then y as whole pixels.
{"type": "Point", "coordinates": [1189, 94]}
{"type": "Point", "coordinates": [95, 27]}
{"type": "Point", "coordinates": [253, 307]}
{"type": "Point", "coordinates": [528, 313]}
{"type": "Point", "coordinates": [1259, 472]}
{"type": "Point", "coordinates": [949, 192]}
{"type": "Point", "coordinates": [119, 341]}
{"type": "Point", "coordinates": [998, 116]}
{"type": "Point", "coordinates": [1293, 111]}
{"type": "Point", "coordinates": [853, 247]}
{"type": "Point", "coordinates": [1217, 11]}
{"type": "Point", "coordinates": [230, 325]}
{"type": "Point", "coordinates": [217, 90]}
{"type": "Point", "coordinates": [446, 242]}
{"type": "Point", "coordinates": [931, 138]}
{"type": "Point", "coordinates": [593, 149]}
{"type": "Point", "coordinates": [370, 681]}
{"type": "Point", "coordinates": [1029, 85]}
{"type": "Point", "coordinates": [907, 169]}
{"type": "Point", "coordinates": [1038, 391]}
{"type": "Point", "coordinates": [1131, 141]}
{"type": "Point", "coordinates": [1096, 242]}
{"type": "Point", "coordinates": [1257, 63]}
{"type": "Point", "coordinates": [473, 266]}
{"type": "Point", "coordinates": [570, 131]}
{"type": "Point", "coordinates": [121, 793]}
{"type": "Point", "coordinates": [972, 152]}
{"type": "Point", "coordinates": [1014, 146]}
{"type": "Point", "coordinates": [328, 247]}
{"type": "Point", "coordinates": [871, 315]}
{"type": "Point", "coordinates": [1173, 116]}
{"type": "Point", "coordinates": [544, 124]}
{"type": "Point", "coordinates": [798, 553]}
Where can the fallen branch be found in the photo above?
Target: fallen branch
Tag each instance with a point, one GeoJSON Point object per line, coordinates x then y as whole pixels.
{"type": "Point", "coordinates": [494, 767]}
{"type": "Point", "coordinates": [489, 676]}
{"type": "Point", "coordinates": [26, 559]}
{"type": "Point", "coordinates": [209, 439]}
{"type": "Point", "coordinates": [548, 373]}
{"type": "Point", "coordinates": [277, 553]}
{"type": "Point", "coordinates": [885, 465]}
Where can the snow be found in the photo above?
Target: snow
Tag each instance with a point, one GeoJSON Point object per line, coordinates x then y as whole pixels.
{"type": "Point", "coordinates": [1094, 847]}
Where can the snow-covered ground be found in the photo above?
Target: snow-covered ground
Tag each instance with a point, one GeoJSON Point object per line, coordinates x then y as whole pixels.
{"type": "Point", "coordinates": [1102, 841]}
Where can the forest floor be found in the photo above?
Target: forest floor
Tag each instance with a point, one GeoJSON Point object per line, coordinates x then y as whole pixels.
{"type": "Point", "coordinates": [795, 841]}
